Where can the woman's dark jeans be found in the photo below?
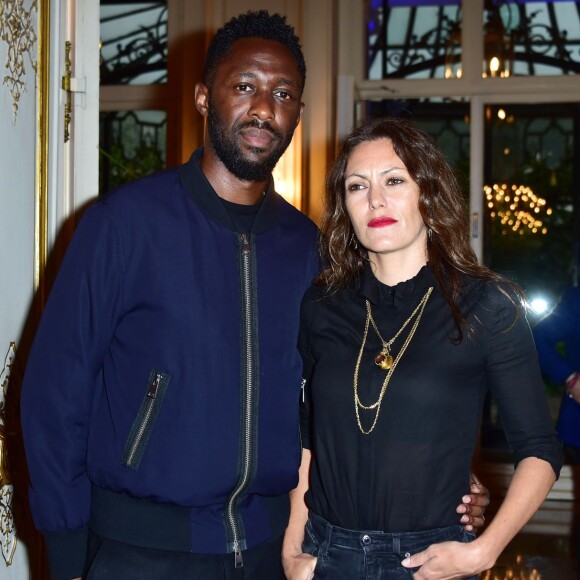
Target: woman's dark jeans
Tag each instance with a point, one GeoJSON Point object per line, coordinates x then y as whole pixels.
{"type": "Point", "coordinates": [353, 555]}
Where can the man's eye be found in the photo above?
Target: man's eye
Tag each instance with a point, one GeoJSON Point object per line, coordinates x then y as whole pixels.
{"type": "Point", "coordinates": [283, 95]}
{"type": "Point", "coordinates": [243, 88]}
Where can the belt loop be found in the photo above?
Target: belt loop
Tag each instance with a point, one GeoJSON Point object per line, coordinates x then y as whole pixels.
{"type": "Point", "coordinates": [396, 544]}
{"type": "Point", "coordinates": [327, 539]}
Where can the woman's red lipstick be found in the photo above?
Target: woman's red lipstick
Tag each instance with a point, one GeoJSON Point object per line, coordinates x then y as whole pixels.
{"type": "Point", "coordinates": [381, 222]}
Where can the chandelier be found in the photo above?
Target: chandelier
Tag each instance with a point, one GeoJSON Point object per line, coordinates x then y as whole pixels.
{"type": "Point", "coordinates": [517, 208]}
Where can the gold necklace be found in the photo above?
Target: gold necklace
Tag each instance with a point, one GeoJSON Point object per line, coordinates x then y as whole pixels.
{"type": "Point", "coordinates": [384, 358]}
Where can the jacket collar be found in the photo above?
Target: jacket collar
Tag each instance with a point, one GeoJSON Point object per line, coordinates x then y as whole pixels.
{"type": "Point", "coordinates": [206, 198]}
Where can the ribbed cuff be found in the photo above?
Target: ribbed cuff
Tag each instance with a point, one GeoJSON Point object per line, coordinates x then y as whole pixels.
{"type": "Point", "coordinates": [67, 552]}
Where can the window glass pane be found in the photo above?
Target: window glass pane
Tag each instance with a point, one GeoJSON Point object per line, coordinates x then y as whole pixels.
{"type": "Point", "coordinates": [133, 42]}
{"type": "Point", "coordinates": [446, 120]}
{"type": "Point", "coordinates": [532, 194]}
{"type": "Point", "coordinates": [132, 145]}
{"type": "Point", "coordinates": [532, 200]}
{"type": "Point", "coordinates": [527, 38]}
{"type": "Point", "coordinates": [413, 39]}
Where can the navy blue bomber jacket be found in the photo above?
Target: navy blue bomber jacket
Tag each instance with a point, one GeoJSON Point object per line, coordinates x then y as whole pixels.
{"type": "Point", "coordinates": [160, 401]}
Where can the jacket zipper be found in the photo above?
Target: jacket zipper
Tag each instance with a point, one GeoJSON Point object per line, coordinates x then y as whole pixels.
{"type": "Point", "coordinates": [151, 396]}
{"type": "Point", "coordinates": [247, 419]}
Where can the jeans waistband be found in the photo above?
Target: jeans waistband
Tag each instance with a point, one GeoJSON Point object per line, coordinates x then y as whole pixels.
{"type": "Point", "coordinates": [372, 540]}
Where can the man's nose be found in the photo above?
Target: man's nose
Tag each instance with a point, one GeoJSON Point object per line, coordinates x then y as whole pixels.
{"type": "Point", "coordinates": [262, 106]}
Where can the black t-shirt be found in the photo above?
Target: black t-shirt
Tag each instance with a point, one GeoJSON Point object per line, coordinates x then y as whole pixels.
{"type": "Point", "coordinates": [243, 216]}
{"type": "Point", "coordinates": [410, 473]}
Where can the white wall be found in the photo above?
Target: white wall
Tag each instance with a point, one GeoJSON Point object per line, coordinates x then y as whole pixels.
{"type": "Point", "coordinates": [17, 207]}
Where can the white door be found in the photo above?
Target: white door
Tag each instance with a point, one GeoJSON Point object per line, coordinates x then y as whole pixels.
{"type": "Point", "coordinates": [39, 197]}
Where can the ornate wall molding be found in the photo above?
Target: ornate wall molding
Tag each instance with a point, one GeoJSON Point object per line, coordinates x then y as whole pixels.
{"type": "Point", "coordinates": [18, 33]}
{"type": "Point", "coordinates": [7, 527]}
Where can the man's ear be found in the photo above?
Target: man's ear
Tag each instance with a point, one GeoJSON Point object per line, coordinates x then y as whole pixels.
{"type": "Point", "coordinates": [201, 99]}
{"type": "Point", "coordinates": [300, 114]}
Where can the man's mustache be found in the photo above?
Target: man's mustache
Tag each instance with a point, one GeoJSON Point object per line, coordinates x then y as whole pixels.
{"type": "Point", "coordinates": [259, 124]}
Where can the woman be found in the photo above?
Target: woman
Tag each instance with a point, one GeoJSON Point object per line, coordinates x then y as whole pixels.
{"type": "Point", "coordinates": [401, 338]}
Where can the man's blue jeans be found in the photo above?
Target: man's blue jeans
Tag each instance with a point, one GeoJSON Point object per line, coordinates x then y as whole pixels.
{"type": "Point", "coordinates": [368, 555]}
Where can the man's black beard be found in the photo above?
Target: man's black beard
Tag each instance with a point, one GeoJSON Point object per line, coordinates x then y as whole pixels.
{"type": "Point", "coordinates": [232, 156]}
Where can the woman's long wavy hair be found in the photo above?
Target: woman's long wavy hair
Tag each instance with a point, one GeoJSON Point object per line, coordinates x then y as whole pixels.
{"type": "Point", "coordinates": [441, 205]}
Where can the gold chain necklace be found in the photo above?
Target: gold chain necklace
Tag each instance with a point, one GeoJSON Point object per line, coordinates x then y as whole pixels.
{"type": "Point", "coordinates": [384, 359]}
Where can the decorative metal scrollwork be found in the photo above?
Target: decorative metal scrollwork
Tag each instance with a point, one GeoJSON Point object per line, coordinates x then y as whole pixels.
{"type": "Point", "coordinates": [140, 45]}
{"type": "Point", "coordinates": [17, 32]}
{"type": "Point", "coordinates": [518, 38]}
{"type": "Point", "coordinates": [7, 527]}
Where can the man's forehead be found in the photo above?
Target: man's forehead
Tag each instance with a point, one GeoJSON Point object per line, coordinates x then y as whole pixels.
{"type": "Point", "coordinates": [251, 52]}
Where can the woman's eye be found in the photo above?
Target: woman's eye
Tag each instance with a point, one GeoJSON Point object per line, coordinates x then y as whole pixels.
{"type": "Point", "coordinates": [354, 186]}
{"type": "Point", "coordinates": [394, 181]}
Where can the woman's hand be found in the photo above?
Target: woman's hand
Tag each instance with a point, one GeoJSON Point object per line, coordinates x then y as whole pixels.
{"type": "Point", "coordinates": [473, 506]}
{"type": "Point", "coordinates": [300, 566]}
{"type": "Point", "coordinates": [448, 560]}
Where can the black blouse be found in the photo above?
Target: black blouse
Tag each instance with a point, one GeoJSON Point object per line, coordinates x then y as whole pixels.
{"type": "Point", "coordinates": [410, 473]}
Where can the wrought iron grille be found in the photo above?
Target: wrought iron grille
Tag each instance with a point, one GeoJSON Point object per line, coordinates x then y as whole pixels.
{"type": "Point", "coordinates": [422, 38]}
{"type": "Point", "coordinates": [133, 42]}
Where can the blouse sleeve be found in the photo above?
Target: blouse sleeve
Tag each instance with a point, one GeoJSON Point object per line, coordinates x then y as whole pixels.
{"type": "Point", "coordinates": [515, 381]}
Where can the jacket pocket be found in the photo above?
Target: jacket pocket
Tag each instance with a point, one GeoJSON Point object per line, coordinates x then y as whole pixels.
{"type": "Point", "coordinates": [143, 424]}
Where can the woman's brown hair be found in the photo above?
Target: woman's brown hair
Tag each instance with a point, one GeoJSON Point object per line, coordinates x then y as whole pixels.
{"type": "Point", "coordinates": [441, 205]}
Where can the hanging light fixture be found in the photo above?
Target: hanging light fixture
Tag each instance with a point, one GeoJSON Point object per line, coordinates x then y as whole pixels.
{"type": "Point", "coordinates": [498, 43]}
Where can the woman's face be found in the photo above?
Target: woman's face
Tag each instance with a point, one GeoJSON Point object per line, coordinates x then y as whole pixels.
{"type": "Point", "coordinates": [382, 201]}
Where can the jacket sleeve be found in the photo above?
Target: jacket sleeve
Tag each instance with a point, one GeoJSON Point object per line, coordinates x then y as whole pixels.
{"type": "Point", "coordinates": [308, 363]}
{"type": "Point", "coordinates": [515, 381]}
{"type": "Point", "coordinates": [65, 360]}
{"type": "Point", "coordinates": [560, 326]}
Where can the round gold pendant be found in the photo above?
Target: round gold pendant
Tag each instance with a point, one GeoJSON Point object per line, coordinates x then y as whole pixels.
{"type": "Point", "coordinates": [383, 360]}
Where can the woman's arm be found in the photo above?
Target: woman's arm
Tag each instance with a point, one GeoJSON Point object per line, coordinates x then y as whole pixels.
{"type": "Point", "coordinates": [297, 564]}
{"type": "Point", "coordinates": [530, 484]}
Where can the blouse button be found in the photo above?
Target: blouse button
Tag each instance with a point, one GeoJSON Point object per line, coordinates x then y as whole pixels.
{"type": "Point", "coordinates": [366, 540]}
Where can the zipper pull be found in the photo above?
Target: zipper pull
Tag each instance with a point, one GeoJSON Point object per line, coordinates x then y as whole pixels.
{"type": "Point", "coordinates": [152, 392]}
{"type": "Point", "coordinates": [239, 561]}
{"type": "Point", "coordinates": [302, 386]}
{"type": "Point", "coordinates": [245, 243]}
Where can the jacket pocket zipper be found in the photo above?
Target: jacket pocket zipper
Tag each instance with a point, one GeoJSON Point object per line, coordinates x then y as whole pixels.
{"type": "Point", "coordinates": [143, 424]}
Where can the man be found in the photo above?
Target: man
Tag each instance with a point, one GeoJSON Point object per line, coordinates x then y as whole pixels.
{"type": "Point", "coordinates": [562, 366]}
{"type": "Point", "coordinates": [561, 328]}
{"type": "Point", "coordinates": [160, 404]}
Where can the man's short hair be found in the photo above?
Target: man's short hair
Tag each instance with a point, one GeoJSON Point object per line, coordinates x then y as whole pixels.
{"type": "Point", "coordinates": [258, 24]}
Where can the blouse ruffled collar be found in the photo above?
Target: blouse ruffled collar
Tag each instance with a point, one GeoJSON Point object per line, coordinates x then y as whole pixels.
{"type": "Point", "coordinates": [378, 293]}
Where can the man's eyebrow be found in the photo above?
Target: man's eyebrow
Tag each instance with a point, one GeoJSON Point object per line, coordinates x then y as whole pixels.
{"type": "Point", "coordinates": [281, 80]}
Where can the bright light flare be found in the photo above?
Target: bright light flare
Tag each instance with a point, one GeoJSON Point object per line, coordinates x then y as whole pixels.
{"type": "Point", "coordinates": [539, 305]}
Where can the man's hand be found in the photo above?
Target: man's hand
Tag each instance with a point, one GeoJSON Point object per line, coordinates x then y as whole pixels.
{"type": "Point", "coordinates": [573, 386]}
{"type": "Point", "coordinates": [447, 561]}
{"type": "Point", "coordinates": [300, 566]}
{"type": "Point", "coordinates": [473, 506]}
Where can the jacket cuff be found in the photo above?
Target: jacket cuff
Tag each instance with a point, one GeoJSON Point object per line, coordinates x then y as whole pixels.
{"type": "Point", "coordinates": [67, 552]}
